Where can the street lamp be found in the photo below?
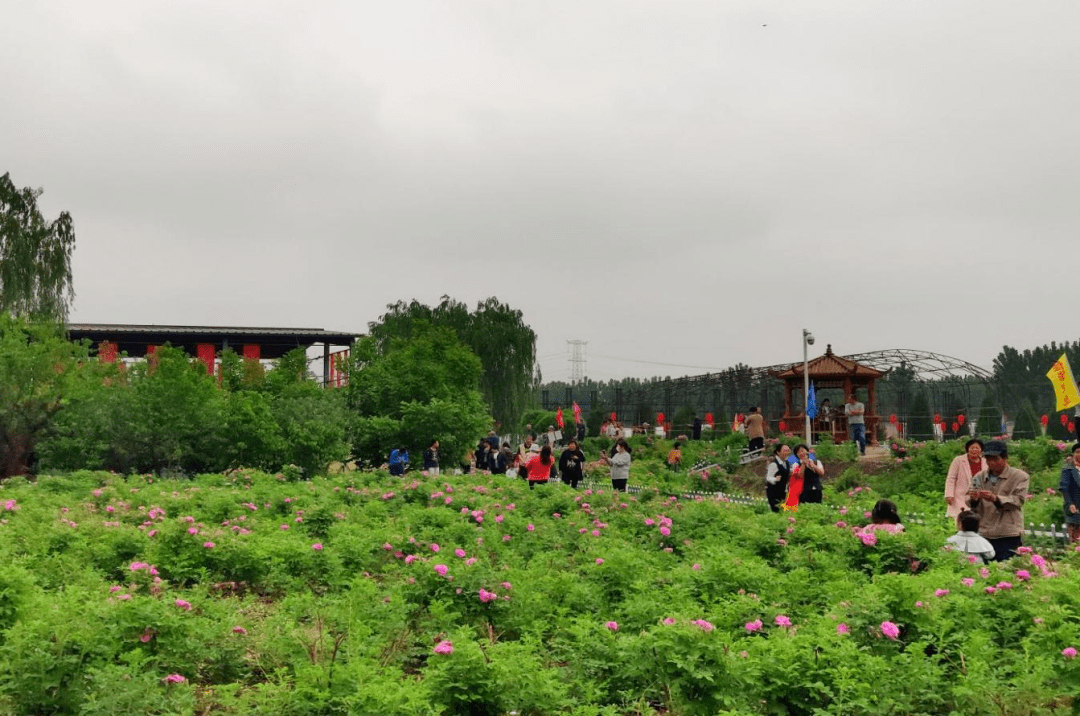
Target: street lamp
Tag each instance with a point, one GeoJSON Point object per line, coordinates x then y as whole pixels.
{"type": "Point", "coordinates": [807, 340]}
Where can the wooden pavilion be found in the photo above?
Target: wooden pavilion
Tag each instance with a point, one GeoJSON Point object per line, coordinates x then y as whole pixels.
{"type": "Point", "coordinates": [830, 371]}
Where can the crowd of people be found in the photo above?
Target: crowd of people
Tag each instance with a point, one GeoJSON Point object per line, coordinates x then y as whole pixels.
{"type": "Point", "coordinates": [984, 494]}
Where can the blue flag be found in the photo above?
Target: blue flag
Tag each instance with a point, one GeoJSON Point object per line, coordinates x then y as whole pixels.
{"type": "Point", "coordinates": [811, 402]}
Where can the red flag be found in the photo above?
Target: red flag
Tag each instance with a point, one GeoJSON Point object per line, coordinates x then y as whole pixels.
{"type": "Point", "coordinates": [577, 412]}
{"type": "Point", "coordinates": [558, 417]}
{"type": "Point", "coordinates": [709, 419]}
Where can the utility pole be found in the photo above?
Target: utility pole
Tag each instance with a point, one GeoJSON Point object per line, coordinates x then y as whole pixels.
{"type": "Point", "coordinates": [577, 361]}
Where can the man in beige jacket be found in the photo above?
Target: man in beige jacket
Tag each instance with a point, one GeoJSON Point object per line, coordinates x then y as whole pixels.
{"type": "Point", "coordinates": [997, 497]}
{"type": "Point", "coordinates": [755, 429]}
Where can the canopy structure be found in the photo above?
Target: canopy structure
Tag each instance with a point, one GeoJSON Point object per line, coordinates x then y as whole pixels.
{"type": "Point", "coordinates": [831, 371]}
{"type": "Point", "coordinates": [205, 342]}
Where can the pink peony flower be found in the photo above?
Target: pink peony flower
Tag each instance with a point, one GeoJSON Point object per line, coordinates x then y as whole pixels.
{"type": "Point", "coordinates": [434, 547]}
{"type": "Point", "coordinates": [284, 527]}
{"type": "Point", "coordinates": [174, 679]}
{"type": "Point", "coordinates": [1069, 652]}
{"type": "Point", "coordinates": [705, 626]}
{"type": "Point", "coordinates": [444, 647]}
{"type": "Point", "coordinates": [486, 596]}
{"type": "Point", "coordinates": [967, 582]}
{"type": "Point", "coordinates": [470, 561]}
{"type": "Point", "coordinates": [696, 567]}
{"type": "Point", "coordinates": [193, 531]}
{"type": "Point", "coordinates": [239, 630]}
{"type": "Point", "coordinates": [459, 552]}
{"type": "Point", "coordinates": [1023, 575]}
{"type": "Point", "coordinates": [183, 604]}
{"type": "Point", "coordinates": [599, 560]}
{"type": "Point", "coordinates": [665, 531]}
{"type": "Point", "coordinates": [782, 620]}
{"type": "Point", "coordinates": [499, 518]}
{"type": "Point", "coordinates": [984, 572]}
{"type": "Point", "coordinates": [842, 628]}
{"type": "Point", "coordinates": [1004, 585]}
{"type": "Point", "coordinates": [410, 558]}
{"type": "Point", "coordinates": [507, 585]}
{"type": "Point", "coordinates": [941, 593]}
{"type": "Point", "coordinates": [890, 630]}
{"type": "Point", "coordinates": [317, 546]}
{"type": "Point", "coordinates": [613, 626]}
{"type": "Point", "coordinates": [753, 626]}
{"type": "Point", "coordinates": [146, 636]}
{"type": "Point", "coordinates": [669, 621]}
{"type": "Point", "coordinates": [441, 569]}
{"type": "Point", "coordinates": [529, 527]}
{"type": "Point", "coordinates": [208, 545]}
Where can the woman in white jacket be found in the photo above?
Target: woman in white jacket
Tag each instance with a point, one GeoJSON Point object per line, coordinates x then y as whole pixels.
{"type": "Point", "coordinates": [620, 465]}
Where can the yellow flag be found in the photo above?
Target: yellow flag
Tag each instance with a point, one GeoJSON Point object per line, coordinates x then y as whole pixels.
{"type": "Point", "coordinates": [1061, 376]}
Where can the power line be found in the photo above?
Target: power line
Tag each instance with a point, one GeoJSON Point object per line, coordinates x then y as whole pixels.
{"type": "Point", "coordinates": [653, 362]}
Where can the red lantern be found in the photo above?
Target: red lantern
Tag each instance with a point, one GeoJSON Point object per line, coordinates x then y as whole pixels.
{"type": "Point", "coordinates": [613, 417]}
{"type": "Point", "coordinates": [709, 419]}
{"type": "Point", "coordinates": [783, 426]}
{"type": "Point", "coordinates": [659, 418]}
{"type": "Point", "coordinates": [893, 419]}
{"type": "Point", "coordinates": [1044, 419]}
{"type": "Point", "coordinates": [961, 418]}
{"type": "Point", "coordinates": [937, 417]}
{"type": "Point", "coordinates": [1064, 419]}
{"type": "Point", "coordinates": [956, 427]}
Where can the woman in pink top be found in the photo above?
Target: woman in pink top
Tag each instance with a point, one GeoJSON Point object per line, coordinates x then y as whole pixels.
{"type": "Point", "coordinates": [962, 469]}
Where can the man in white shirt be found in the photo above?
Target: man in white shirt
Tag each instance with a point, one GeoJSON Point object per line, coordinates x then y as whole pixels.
{"type": "Point", "coordinates": [854, 410]}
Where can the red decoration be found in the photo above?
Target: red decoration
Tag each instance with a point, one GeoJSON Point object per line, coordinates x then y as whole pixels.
{"type": "Point", "coordinates": [1044, 419]}
{"type": "Point", "coordinates": [783, 426]}
{"type": "Point", "coordinates": [558, 417]}
{"type": "Point", "coordinates": [709, 419]}
{"type": "Point", "coordinates": [893, 419]}
{"type": "Point", "coordinates": [613, 417]}
{"type": "Point", "coordinates": [937, 417]}
{"type": "Point", "coordinates": [955, 427]}
{"type": "Point", "coordinates": [1064, 419]}
{"type": "Point", "coordinates": [1072, 427]}
{"type": "Point", "coordinates": [659, 418]}
{"type": "Point", "coordinates": [961, 418]}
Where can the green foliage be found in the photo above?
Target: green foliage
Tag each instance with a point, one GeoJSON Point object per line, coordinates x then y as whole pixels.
{"type": "Point", "coordinates": [494, 332]}
{"type": "Point", "coordinates": [413, 391]}
{"type": "Point", "coordinates": [37, 370]}
{"type": "Point", "coordinates": [256, 619]}
{"type": "Point", "coordinates": [35, 256]}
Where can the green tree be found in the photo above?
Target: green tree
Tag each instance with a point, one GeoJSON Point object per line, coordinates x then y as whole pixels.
{"type": "Point", "coordinates": [496, 333]}
{"type": "Point", "coordinates": [35, 256]}
{"type": "Point", "coordinates": [414, 390]}
{"type": "Point", "coordinates": [37, 367]}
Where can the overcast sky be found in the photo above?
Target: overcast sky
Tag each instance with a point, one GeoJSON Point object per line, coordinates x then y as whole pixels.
{"type": "Point", "coordinates": [677, 183]}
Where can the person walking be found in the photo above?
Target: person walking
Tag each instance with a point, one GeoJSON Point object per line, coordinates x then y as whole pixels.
{"type": "Point", "coordinates": [1070, 493]}
{"type": "Point", "coordinates": [431, 458]}
{"type": "Point", "coordinates": [958, 481]}
{"type": "Point", "coordinates": [997, 496]}
{"type": "Point", "coordinates": [777, 475]}
{"type": "Point", "coordinates": [620, 465]}
{"type": "Point", "coordinates": [571, 464]}
{"type": "Point", "coordinates": [538, 465]}
{"type": "Point", "coordinates": [854, 410]}
{"type": "Point", "coordinates": [755, 429]}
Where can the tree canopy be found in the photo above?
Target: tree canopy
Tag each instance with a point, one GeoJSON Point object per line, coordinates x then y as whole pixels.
{"type": "Point", "coordinates": [496, 333]}
{"type": "Point", "coordinates": [35, 256]}
{"type": "Point", "coordinates": [415, 390]}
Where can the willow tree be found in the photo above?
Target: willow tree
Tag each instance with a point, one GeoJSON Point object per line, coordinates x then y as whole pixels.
{"type": "Point", "coordinates": [35, 256]}
{"type": "Point", "coordinates": [496, 333]}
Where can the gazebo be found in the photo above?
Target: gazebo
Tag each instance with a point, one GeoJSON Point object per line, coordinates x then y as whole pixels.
{"type": "Point", "coordinates": [831, 371]}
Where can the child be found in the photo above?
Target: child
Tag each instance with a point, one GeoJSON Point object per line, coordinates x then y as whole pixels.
{"type": "Point", "coordinates": [968, 540]}
{"type": "Point", "coordinates": [884, 517]}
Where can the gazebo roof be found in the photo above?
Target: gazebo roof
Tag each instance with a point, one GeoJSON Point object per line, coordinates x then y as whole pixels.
{"type": "Point", "coordinates": [831, 366]}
